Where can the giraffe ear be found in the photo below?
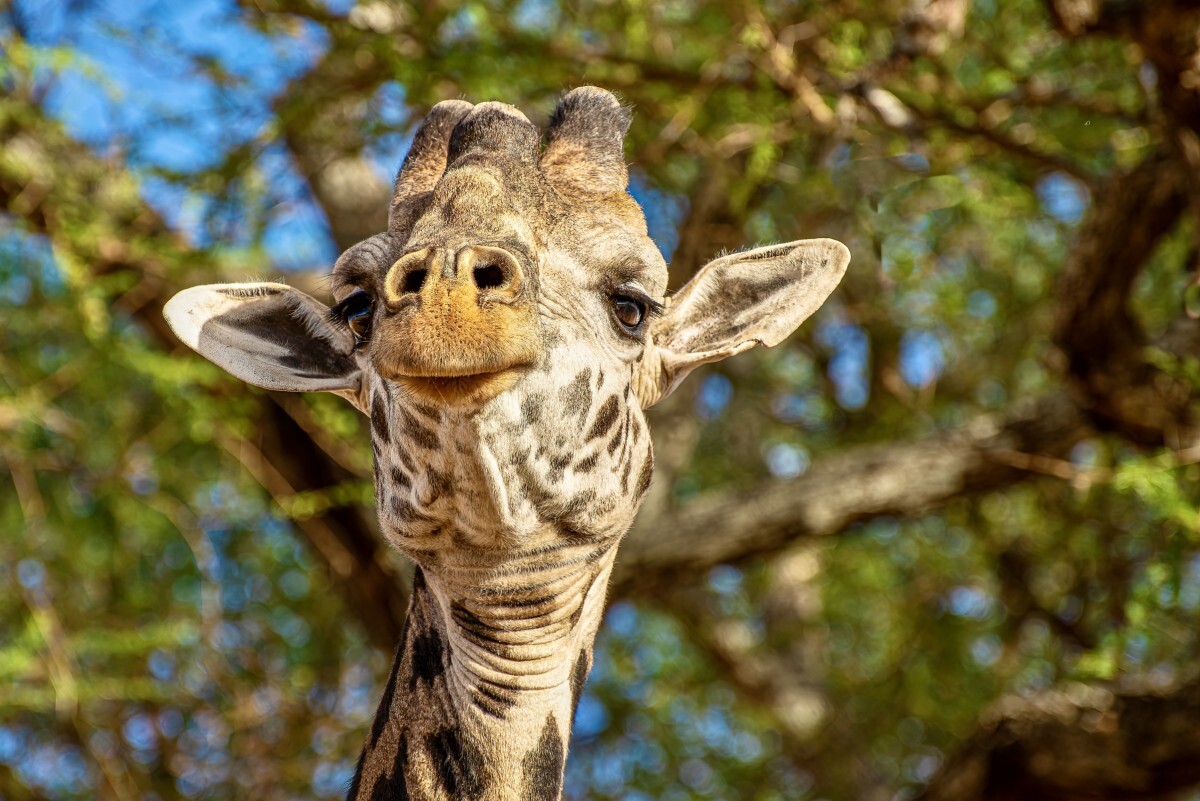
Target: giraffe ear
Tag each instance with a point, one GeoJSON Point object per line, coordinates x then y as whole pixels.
{"type": "Point", "coordinates": [757, 297]}
{"type": "Point", "coordinates": [268, 335]}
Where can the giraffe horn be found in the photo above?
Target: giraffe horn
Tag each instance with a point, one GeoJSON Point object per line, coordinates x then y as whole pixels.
{"type": "Point", "coordinates": [427, 157]}
{"type": "Point", "coordinates": [585, 141]}
{"type": "Point", "coordinates": [495, 132]}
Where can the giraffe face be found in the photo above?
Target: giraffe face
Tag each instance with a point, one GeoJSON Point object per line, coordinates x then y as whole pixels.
{"type": "Point", "coordinates": [507, 330]}
{"type": "Point", "coordinates": [487, 274]}
{"type": "Point", "coordinates": [503, 323]}
{"type": "Point", "coordinates": [496, 285]}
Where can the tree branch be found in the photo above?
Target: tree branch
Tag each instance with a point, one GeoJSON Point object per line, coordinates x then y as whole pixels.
{"type": "Point", "coordinates": [1095, 329]}
{"type": "Point", "coordinates": [1079, 742]}
{"type": "Point", "coordinates": [1103, 343]}
{"type": "Point", "coordinates": [894, 480]}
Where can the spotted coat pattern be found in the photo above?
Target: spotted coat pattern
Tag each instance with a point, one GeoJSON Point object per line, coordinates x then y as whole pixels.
{"type": "Point", "coordinates": [503, 335]}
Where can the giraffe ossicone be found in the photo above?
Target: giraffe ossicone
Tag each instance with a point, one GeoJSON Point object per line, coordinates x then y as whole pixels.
{"type": "Point", "coordinates": [504, 335]}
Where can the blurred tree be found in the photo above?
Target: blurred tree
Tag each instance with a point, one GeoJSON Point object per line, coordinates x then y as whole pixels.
{"type": "Point", "coordinates": [943, 542]}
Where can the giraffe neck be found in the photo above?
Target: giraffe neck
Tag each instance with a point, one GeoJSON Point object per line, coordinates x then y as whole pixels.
{"type": "Point", "coordinates": [486, 679]}
{"type": "Point", "coordinates": [513, 513]}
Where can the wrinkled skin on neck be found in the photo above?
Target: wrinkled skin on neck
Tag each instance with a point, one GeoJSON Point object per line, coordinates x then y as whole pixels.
{"type": "Point", "coordinates": [515, 529]}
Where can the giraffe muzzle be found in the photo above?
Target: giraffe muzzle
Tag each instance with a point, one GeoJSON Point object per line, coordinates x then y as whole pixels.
{"type": "Point", "coordinates": [459, 325]}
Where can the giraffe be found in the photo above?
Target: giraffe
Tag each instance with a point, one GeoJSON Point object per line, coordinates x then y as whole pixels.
{"type": "Point", "coordinates": [504, 336]}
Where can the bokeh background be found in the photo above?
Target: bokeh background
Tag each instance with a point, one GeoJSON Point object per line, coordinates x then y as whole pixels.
{"type": "Point", "coordinates": [943, 541]}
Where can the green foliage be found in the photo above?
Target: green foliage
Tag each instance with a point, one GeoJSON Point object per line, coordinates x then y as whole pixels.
{"type": "Point", "coordinates": [161, 611]}
{"type": "Point", "coordinates": [164, 633]}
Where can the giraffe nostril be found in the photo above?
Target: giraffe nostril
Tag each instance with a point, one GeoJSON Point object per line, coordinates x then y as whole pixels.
{"type": "Point", "coordinates": [488, 276]}
{"type": "Point", "coordinates": [414, 280]}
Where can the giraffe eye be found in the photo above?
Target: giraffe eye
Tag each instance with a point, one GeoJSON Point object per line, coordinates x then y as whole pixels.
{"type": "Point", "coordinates": [631, 306]}
{"type": "Point", "coordinates": [355, 311]}
{"type": "Point", "coordinates": [629, 312]}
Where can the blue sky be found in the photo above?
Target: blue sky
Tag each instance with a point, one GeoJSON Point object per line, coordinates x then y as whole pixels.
{"type": "Point", "coordinates": [133, 84]}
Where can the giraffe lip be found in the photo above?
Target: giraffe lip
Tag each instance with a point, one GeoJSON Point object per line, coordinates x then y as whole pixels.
{"type": "Point", "coordinates": [469, 389]}
{"type": "Point", "coordinates": [451, 374]}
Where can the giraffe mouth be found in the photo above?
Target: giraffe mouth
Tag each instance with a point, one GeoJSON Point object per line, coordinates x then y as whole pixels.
{"type": "Point", "coordinates": [461, 389]}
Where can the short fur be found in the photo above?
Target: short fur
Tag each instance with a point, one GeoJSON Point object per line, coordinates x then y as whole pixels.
{"type": "Point", "coordinates": [518, 327]}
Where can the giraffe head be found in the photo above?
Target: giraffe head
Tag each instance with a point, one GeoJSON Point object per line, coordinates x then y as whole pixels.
{"type": "Point", "coordinates": [512, 316]}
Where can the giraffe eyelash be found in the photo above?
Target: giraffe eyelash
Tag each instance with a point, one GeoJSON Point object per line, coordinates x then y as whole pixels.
{"type": "Point", "coordinates": [654, 308]}
{"type": "Point", "coordinates": [337, 313]}
{"type": "Point", "coordinates": [354, 312]}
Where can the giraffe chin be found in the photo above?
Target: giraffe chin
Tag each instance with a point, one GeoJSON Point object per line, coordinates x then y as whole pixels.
{"type": "Point", "coordinates": [460, 390]}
